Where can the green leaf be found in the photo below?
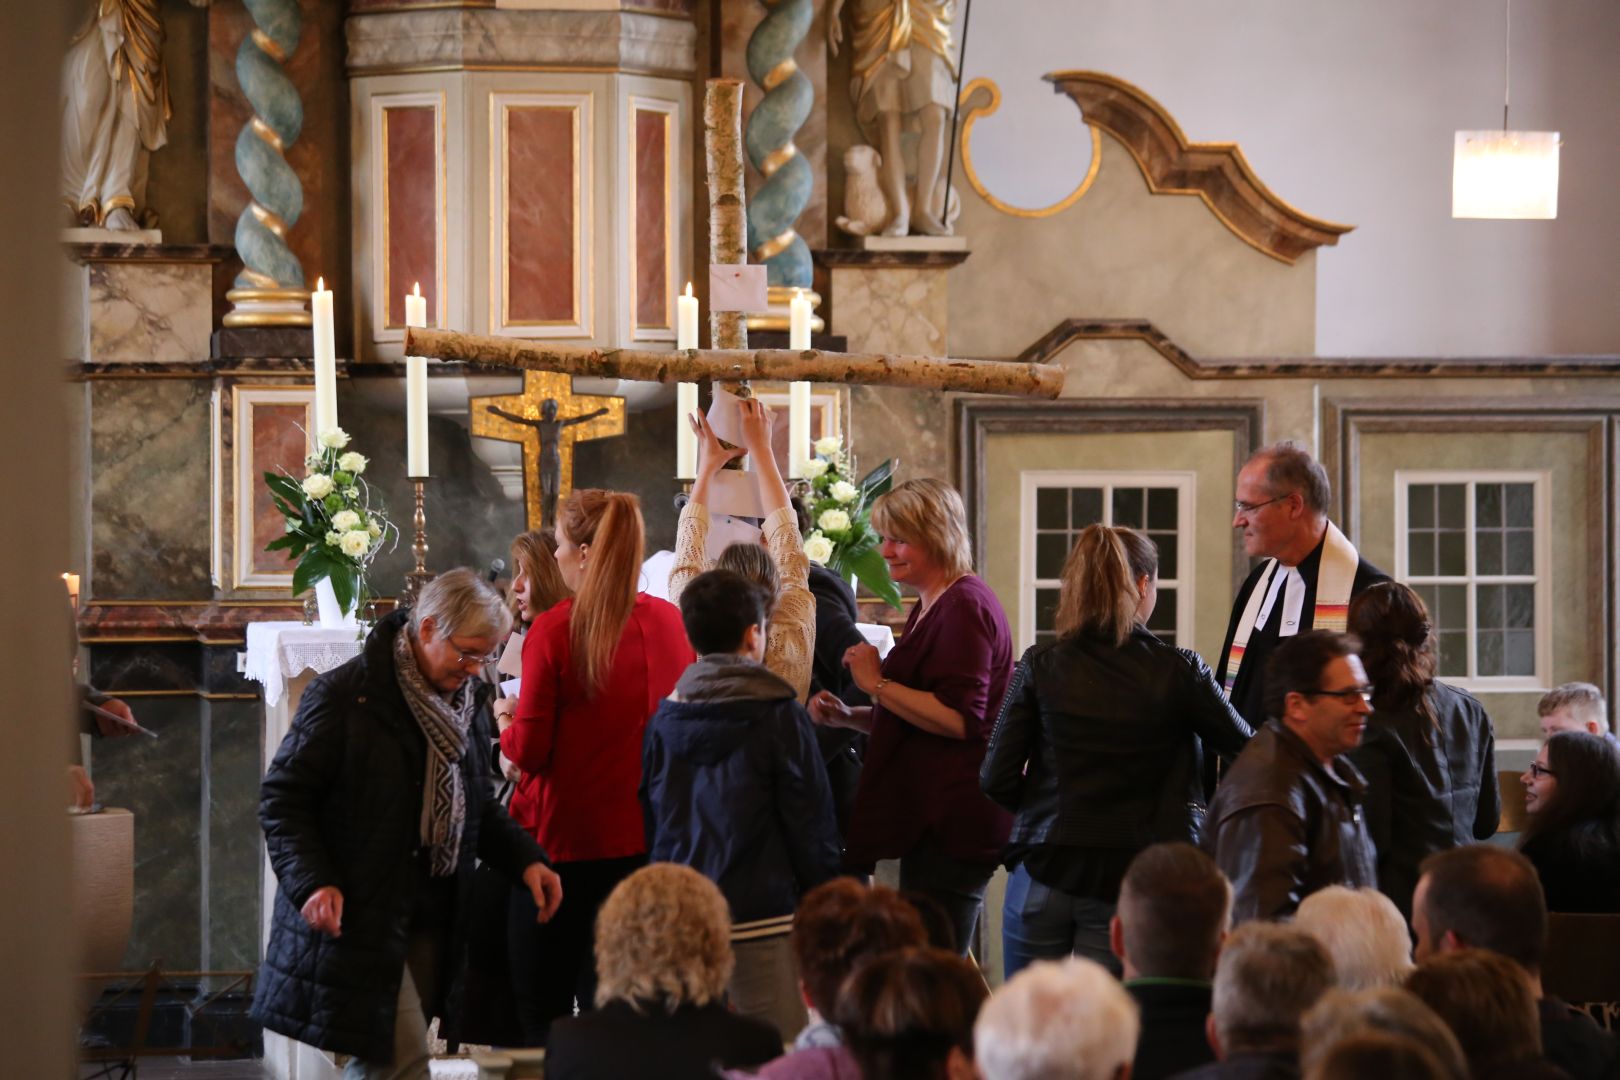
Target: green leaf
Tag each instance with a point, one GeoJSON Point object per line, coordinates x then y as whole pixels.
{"type": "Point", "coordinates": [343, 586]}
{"type": "Point", "coordinates": [285, 542]}
{"type": "Point", "coordinates": [878, 481]}
{"type": "Point", "coordinates": [873, 572]}
{"type": "Point", "coordinates": [306, 573]}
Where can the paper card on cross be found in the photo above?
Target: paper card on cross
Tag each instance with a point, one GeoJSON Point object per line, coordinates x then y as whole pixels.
{"type": "Point", "coordinates": [737, 287]}
{"type": "Point", "coordinates": [725, 415]}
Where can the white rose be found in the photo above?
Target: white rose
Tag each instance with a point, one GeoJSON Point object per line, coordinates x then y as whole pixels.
{"type": "Point", "coordinates": [318, 486]}
{"type": "Point", "coordinates": [814, 468]}
{"type": "Point", "coordinates": [353, 462]}
{"type": "Point", "coordinates": [355, 543]}
{"type": "Point", "coordinates": [344, 520]}
{"type": "Point", "coordinates": [844, 491]}
{"type": "Point", "coordinates": [333, 537]}
{"type": "Point", "coordinates": [829, 446]}
{"type": "Point", "coordinates": [833, 520]}
{"type": "Point", "coordinates": [818, 549]}
{"type": "Point", "coordinates": [334, 438]}
{"type": "Point", "coordinates": [374, 529]}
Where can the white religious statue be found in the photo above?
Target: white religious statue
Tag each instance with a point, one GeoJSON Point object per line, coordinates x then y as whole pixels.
{"type": "Point", "coordinates": [905, 78]}
{"type": "Point", "coordinates": [115, 112]}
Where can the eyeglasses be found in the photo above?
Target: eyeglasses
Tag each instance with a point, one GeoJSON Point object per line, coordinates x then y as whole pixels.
{"type": "Point", "coordinates": [1538, 771]}
{"type": "Point", "coordinates": [1248, 508]}
{"type": "Point", "coordinates": [1345, 694]}
{"type": "Point", "coordinates": [463, 659]}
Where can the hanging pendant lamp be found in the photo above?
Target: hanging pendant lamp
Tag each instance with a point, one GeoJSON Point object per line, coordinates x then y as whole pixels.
{"type": "Point", "coordinates": [1505, 174]}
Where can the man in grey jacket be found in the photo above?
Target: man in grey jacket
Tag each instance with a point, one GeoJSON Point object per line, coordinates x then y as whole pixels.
{"type": "Point", "coordinates": [1287, 818]}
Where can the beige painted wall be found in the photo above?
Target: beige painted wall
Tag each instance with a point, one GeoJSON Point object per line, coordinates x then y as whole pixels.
{"type": "Point", "coordinates": [1575, 653]}
{"type": "Point", "coordinates": [1124, 253]}
{"type": "Point", "coordinates": [1206, 454]}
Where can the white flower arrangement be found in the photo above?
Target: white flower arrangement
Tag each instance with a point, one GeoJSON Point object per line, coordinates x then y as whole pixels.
{"type": "Point", "coordinates": [332, 530]}
{"type": "Point", "coordinates": [843, 539]}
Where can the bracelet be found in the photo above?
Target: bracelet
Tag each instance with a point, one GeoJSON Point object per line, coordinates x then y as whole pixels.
{"type": "Point", "coordinates": [877, 691]}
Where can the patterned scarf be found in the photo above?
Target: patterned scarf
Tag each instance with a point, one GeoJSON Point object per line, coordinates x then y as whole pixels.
{"type": "Point", "coordinates": [444, 723]}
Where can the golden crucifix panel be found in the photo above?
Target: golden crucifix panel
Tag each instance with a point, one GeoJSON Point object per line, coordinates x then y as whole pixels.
{"type": "Point", "coordinates": [548, 418]}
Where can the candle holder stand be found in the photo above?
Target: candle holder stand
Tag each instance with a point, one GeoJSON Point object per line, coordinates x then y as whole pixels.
{"type": "Point", "coordinates": [417, 578]}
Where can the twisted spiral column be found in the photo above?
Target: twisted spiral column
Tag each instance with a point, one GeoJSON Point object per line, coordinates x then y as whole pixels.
{"type": "Point", "coordinates": [768, 139]}
{"type": "Point", "coordinates": [269, 266]}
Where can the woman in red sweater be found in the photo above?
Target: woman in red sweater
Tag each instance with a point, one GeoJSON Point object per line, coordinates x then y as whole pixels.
{"type": "Point", "coordinates": [594, 669]}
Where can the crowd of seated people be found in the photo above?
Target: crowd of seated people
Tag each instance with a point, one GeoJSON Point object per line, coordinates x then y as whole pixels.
{"type": "Point", "coordinates": [703, 901]}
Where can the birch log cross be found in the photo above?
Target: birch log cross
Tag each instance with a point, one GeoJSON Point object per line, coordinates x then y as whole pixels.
{"type": "Point", "coordinates": [734, 365]}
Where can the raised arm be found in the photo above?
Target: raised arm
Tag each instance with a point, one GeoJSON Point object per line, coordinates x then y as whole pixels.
{"type": "Point", "coordinates": [692, 531]}
{"type": "Point", "coordinates": [790, 646]}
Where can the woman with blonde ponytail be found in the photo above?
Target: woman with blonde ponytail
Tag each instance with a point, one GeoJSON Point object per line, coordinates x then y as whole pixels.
{"type": "Point", "coordinates": [1428, 753]}
{"type": "Point", "coordinates": [595, 667]}
{"type": "Point", "coordinates": [1098, 751]}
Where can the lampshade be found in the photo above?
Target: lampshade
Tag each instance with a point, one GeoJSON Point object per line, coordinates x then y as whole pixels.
{"type": "Point", "coordinates": [1505, 174]}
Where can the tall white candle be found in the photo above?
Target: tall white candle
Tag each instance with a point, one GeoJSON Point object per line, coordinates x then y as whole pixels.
{"type": "Point", "coordinates": [799, 321]}
{"type": "Point", "coordinates": [798, 428]}
{"type": "Point", "coordinates": [416, 393]}
{"type": "Point", "coordinates": [686, 447]}
{"type": "Point", "coordinates": [320, 306]}
{"type": "Point", "coordinates": [686, 320]}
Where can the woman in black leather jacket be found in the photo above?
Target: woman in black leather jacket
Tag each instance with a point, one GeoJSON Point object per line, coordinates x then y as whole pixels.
{"type": "Point", "coordinates": [1097, 750]}
{"type": "Point", "coordinates": [1429, 753]}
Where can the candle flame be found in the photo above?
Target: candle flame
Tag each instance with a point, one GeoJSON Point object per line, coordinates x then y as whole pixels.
{"type": "Point", "coordinates": [320, 284]}
{"type": "Point", "coordinates": [798, 294]}
{"type": "Point", "coordinates": [416, 289]}
{"type": "Point", "coordinates": [688, 288]}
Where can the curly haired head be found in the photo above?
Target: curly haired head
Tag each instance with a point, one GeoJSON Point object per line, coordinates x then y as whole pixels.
{"type": "Point", "coordinates": [663, 938]}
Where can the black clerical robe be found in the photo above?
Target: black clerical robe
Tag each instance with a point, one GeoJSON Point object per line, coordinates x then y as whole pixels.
{"type": "Point", "coordinates": [1248, 692]}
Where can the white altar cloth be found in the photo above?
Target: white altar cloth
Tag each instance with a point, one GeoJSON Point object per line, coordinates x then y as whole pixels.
{"type": "Point", "coordinates": [278, 651]}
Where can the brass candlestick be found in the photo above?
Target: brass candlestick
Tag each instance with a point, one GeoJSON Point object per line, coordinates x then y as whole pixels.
{"type": "Point", "coordinates": [419, 547]}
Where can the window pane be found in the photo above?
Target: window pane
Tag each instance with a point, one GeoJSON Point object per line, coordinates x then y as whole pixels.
{"type": "Point", "coordinates": [1521, 606]}
{"type": "Point", "coordinates": [1128, 507]}
{"type": "Point", "coordinates": [1087, 506]}
{"type": "Point", "coordinates": [1162, 508]}
{"type": "Point", "coordinates": [1050, 551]}
{"type": "Point", "coordinates": [1169, 566]}
{"type": "Point", "coordinates": [1046, 601]}
{"type": "Point", "coordinates": [1427, 593]}
{"type": "Point", "coordinates": [1488, 505]}
{"type": "Point", "coordinates": [1453, 554]}
{"type": "Point", "coordinates": [1521, 551]}
{"type": "Point", "coordinates": [1453, 512]}
{"type": "Point", "coordinates": [1490, 653]}
{"type": "Point", "coordinates": [1454, 653]}
{"type": "Point", "coordinates": [1420, 553]}
{"type": "Point", "coordinates": [1453, 607]}
{"type": "Point", "coordinates": [1163, 619]}
{"type": "Point", "coordinates": [1420, 506]}
{"type": "Point", "coordinates": [1521, 505]}
{"type": "Point", "coordinates": [1049, 509]}
{"type": "Point", "coordinates": [1489, 598]}
{"type": "Point", "coordinates": [1521, 653]}
{"type": "Point", "coordinates": [1488, 553]}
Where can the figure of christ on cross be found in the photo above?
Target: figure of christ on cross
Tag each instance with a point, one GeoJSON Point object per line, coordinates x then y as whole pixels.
{"type": "Point", "coordinates": [547, 438]}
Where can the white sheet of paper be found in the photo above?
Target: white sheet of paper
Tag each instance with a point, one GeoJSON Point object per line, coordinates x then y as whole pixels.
{"type": "Point", "coordinates": [511, 662]}
{"type": "Point", "coordinates": [735, 493]}
{"type": "Point", "coordinates": [738, 287]}
{"type": "Point", "coordinates": [725, 531]}
{"type": "Point", "coordinates": [655, 574]}
{"type": "Point", "coordinates": [725, 415]}
{"type": "Point", "coordinates": [511, 687]}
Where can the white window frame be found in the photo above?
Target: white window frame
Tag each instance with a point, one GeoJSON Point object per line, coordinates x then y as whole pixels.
{"type": "Point", "coordinates": [1186, 487]}
{"type": "Point", "coordinates": [1541, 481]}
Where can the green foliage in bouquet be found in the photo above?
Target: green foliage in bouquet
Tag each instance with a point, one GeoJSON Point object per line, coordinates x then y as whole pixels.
{"type": "Point", "coordinates": [332, 530]}
{"type": "Point", "coordinates": [841, 536]}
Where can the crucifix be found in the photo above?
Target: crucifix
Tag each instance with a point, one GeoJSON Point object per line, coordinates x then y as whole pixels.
{"type": "Point", "coordinates": [547, 418]}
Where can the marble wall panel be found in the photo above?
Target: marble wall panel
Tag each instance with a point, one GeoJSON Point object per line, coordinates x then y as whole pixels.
{"type": "Point", "coordinates": [410, 207]}
{"type": "Point", "coordinates": [911, 427]}
{"type": "Point", "coordinates": [653, 302]}
{"type": "Point", "coordinates": [143, 312]}
{"type": "Point", "coordinates": [540, 216]}
{"type": "Point", "coordinates": [234, 845]}
{"type": "Point", "coordinates": [892, 309]}
{"type": "Point", "coordinates": [150, 497]}
{"type": "Point", "coordinates": [117, 667]}
{"type": "Point", "coordinates": [278, 445]}
{"type": "Point", "coordinates": [160, 782]}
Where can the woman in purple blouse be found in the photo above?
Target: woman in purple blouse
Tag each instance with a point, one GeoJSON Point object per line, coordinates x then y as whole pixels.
{"type": "Point", "coordinates": [934, 702]}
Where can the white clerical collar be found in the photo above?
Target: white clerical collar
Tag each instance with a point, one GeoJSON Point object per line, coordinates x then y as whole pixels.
{"type": "Point", "coordinates": [1293, 600]}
